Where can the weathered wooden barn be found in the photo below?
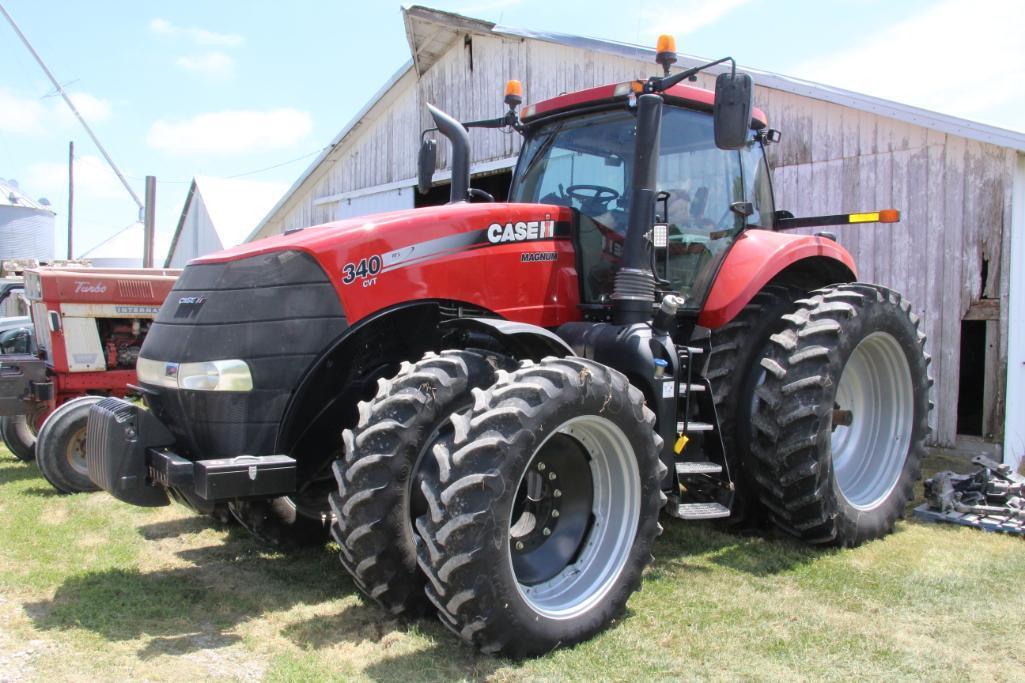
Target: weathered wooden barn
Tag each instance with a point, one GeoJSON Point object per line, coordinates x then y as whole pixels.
{"type": "Point", "coordinates": [959, 184]}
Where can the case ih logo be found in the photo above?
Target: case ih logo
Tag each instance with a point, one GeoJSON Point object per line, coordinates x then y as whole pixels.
{"type": "Point", "coordinates": [521, 231]}
{"type": "Point", "coordinates": [82, 287]}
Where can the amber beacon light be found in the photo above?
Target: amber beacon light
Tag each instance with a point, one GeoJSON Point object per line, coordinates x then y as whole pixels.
{"type": "Point", "coordinates": [513, 93]}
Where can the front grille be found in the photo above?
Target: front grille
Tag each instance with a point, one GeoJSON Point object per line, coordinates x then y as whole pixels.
{"type": "Point", "coordinates": [278, 312]}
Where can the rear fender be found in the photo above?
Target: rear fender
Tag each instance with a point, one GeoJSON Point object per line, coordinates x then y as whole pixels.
{"type": "Point", "coordinates": [762, 256]}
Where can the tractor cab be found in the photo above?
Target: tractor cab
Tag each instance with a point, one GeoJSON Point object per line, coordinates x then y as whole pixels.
{"type": "Point", "coordinates": [579, 153]}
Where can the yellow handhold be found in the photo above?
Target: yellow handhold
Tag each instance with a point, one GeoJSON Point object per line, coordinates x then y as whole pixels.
{"type": "Point", "coordinates": [681, 443]}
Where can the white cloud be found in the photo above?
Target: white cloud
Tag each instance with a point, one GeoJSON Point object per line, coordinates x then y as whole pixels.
{"type": "Point", "coordinates": [958, 57]}
{"type": "Point", "coordinates": [199, 36]}
{"type": "Point", "coordinates": [162, 27]}
{"type": "Point", "coordinates": [21, 115]}
{"type": "Point", "coordinates": [230, 132]}
{"type": "Point", "coordinates": [688, 16]}
{"type": "Point", "coordinates": [39, 116]}
{"type": "Point", "coordinates": [204, 37]}
{"type": "Point", "coordinates": [214, 64]}
{"type": "Point", "coordinates": [93, 178]}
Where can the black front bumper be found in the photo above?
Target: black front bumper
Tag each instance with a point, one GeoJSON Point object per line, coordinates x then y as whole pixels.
{"type": "Point", "coordinates": [131, 454]}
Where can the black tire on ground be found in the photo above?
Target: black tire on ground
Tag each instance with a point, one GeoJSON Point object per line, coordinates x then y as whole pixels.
{"type": "Point", "coordinates": [19, 433]}
{"type": "Point", "coordinates": [543, 508]}
{"type": "Point", "coordinates": [842, 417]}
{"type": "Point", "coordinates": [286, 522]}
{"type": "Point", "coordinates": [733, 368]}
{"type": "Point", "coordinates": [377, 500]}
{"type": "Point", "coordinates": [60, 448]}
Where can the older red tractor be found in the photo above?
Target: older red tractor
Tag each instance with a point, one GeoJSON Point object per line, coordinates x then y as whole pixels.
{"type": "Point", "coordinates": [524, 386]}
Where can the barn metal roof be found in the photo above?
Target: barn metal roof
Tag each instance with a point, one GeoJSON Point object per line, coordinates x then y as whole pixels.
{"type": "Point", "coordinates": [431, 32]}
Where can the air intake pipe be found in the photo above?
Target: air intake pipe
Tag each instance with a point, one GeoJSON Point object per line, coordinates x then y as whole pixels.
{"type": "Point", "coordinates": [460, 140]}
{"type": "Point", "coordinates": [634, 291]}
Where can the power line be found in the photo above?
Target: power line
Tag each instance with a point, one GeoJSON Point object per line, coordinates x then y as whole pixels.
{"type": "Point", "coordinates": [283, 163]}
{"type": "Point", "coordinates": [245, 173]}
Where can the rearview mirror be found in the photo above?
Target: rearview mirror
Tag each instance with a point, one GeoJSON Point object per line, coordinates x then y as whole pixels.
{"type": "Point", "coordinates": [734, 96]}
{"type": "Point", "coordinates": [425, 165]}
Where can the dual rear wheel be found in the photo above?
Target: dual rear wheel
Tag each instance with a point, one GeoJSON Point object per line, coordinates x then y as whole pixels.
{"type": "Point", "coordinates": [534, 495]}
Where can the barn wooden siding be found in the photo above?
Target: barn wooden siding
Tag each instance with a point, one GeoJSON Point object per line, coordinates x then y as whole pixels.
{"type": "Point", "coordinates": [954, 194]}
{"type": "Point", "coordinates": [949, 254]}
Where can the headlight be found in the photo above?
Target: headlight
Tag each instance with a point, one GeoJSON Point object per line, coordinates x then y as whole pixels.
{"type": "Point", "coordinates": [211, 375]}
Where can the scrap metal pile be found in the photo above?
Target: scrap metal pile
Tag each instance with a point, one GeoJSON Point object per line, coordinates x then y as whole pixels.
{"type": "Point", "coordinates": [992, 498]}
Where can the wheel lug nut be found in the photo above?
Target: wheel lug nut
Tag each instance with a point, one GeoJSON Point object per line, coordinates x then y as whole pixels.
{"type": "Point", "coordinates": [541, 467]}
{"type": "Point", "coordinates": [551, 476]}
{"type": "Point", "coordinates": [547, 531]}
{"type": "Point", "coordinates": [557, 493]}
{"type": "Point", "coordinates": [555, 513]}
{"type": "Point", "coordinates": [519, 545]}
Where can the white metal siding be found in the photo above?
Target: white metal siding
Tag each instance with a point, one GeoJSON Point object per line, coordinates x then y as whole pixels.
{"type": "Point", "coordinates": [197, 237]}
{"type": "Point", "coordinates": [26, 233]}
{"type": "Point", "coordinates": [1014, 433]}
{"type": "Point", "coordinates": [379, 202]}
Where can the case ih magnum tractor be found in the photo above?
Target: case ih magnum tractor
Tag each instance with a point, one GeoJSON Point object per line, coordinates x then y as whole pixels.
{"type": "Point", "coordinates": [523, 386]}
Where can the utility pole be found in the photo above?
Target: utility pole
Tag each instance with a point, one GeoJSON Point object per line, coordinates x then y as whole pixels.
{"type": "Point", "coordinates": [74, 111]}
{"type": "Point", "coordinates": [71, 194]}
{"type": "Point", "coordinates": [149, 224]}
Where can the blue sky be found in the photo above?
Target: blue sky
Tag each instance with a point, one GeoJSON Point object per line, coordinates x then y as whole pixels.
{"type": "Point", "coordinates": [226, 88]}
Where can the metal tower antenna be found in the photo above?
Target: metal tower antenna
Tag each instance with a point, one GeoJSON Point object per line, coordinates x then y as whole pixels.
{"type": "Point", "coordinates": [67, 99]}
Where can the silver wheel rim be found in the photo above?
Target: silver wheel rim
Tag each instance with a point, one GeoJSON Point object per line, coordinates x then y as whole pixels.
{"type": "Point", "coordinates": [869, 455]}
{"type": "Point", "coordinates": [616, 509]}
{"type": "Point", "coordinates": [75, 453]}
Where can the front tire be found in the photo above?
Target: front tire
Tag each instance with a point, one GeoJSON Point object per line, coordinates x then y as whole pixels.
{"type": "Point", "coordinates": [543, 508]}
{"type": "Point", "coordinates": [19, 433]}
{"type": "Point", "coordinates": [60, 448]}
{"type": "Point", "coordinates": [843, 414]}
{"type": "Point", "coordinates": [378, 487]}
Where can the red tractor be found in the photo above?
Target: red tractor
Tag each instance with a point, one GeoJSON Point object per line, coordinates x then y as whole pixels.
{"type": "Point", "coordinates": [520, 388]}
{"type": "Point", "coordinates": [89, 326]}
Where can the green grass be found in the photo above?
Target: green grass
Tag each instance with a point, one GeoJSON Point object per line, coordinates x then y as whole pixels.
{"type": "Point", "coordinates": [93, 589]}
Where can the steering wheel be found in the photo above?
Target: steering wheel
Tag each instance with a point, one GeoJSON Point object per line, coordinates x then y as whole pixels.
{"type": "Point", "coordinates": [593, 195]}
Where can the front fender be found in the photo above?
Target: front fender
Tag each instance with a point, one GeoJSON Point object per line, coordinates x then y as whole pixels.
{"type": "Point", "coordinates": [758, 257]}
{"type": "Point", "coordinates": [523, 340]}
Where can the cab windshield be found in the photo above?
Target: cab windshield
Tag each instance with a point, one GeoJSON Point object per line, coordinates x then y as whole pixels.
{"type": "Point", "coordinates": [586, 162]}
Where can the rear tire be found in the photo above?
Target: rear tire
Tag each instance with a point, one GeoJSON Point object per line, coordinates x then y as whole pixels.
{"type": "Point", "coordinates": [522, 557]}
{"type": "Point", "coordinates": [843, 414]}
{"type": "Point", "coordinates": [20, 432]}
{"type": "Point", "coordinates": [60, 448]}
{"type": "Point", "coordinates": [734, 371]}
{"type": "Point", "coordinates": [378, 486]}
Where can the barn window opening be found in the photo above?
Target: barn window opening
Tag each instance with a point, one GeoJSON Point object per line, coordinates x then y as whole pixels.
{"type": "Point", "coordinates": [496, 184]}
{"type": "Point", "coordinates": [984, 276]}
{"type": "Point", "coordinates": [971, 386]}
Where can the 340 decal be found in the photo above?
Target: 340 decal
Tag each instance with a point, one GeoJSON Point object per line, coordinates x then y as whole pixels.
{"type": "Point", "coordinates": [365, 268]}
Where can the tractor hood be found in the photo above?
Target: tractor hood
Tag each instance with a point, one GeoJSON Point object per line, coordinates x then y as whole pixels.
{"type": "Point", "coordinates": [430, 253]}
{"type": "Point", "coordinates": [397, 228]}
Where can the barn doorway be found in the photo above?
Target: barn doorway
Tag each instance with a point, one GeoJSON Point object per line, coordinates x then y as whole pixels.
{"type": "Point", "coordinates": [496, 183]}
{"type": "Point", "coordinates": [971, 391]}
